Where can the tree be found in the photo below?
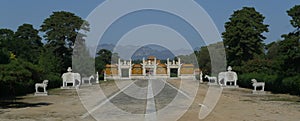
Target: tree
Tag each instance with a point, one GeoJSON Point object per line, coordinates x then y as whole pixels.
{"type": "Point", "coordinates": [27, 43]}
{"type": "Point", "coordinates": [48, 62]}
{"type": "Point", "coordinates": [61, 30]}
{"type": "Point", "coordinates": [295, 14]}
{"type": "Point", "coordinates": [105, 57]}
{"type": "Point", "coordinates": [211, 59]}
{"type": "Point", "coordinates": [243, 35]}
{"type": "Point", "coordinates": [191, 58]}
{"type": "Point", "coordinates": [19, 76]}
{"type": "Point", "coordinates": [82, 61]}
{"type": "Point", "coordinates": [287, 51]}
{"type": "Point", "coordinates": [4, 55]}
{"type": "Point", "coordinates": [291, 43]}
{"type": "Point", "coordinates": [6, 37]}
{"type": "Point", "coordinates": [204, 60]}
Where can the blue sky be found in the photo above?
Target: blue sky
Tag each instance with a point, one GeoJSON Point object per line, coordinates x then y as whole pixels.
{"type": "Point", "coordinates": [14, 13]}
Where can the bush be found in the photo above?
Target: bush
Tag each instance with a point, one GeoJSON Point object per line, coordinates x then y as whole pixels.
{"type": "Point", "coordinates": [24, 88]}
{"type": "Point", "coordinates": [292, 85]}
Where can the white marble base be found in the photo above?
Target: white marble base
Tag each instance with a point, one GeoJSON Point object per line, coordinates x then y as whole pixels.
{"type": "Point", "coordinates": [41, 94]}
{"type": "Point", "coordinates": [258, 92]}
{"type": "Point", "coordinates": [212, 83]}
{"type": "Point", "coordinates": [230, 86]}
{"type": "Point", "coordinates": [69, 87]}
{"type": "Point", "coordinates": [85, 85]}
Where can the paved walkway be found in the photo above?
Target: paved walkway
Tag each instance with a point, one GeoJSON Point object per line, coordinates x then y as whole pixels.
{"type": "Point", "coordinates": [135, 100]}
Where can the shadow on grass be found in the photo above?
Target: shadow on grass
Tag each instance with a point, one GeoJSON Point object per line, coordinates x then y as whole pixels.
{"type": "Point", "coordinates": [8, 103]}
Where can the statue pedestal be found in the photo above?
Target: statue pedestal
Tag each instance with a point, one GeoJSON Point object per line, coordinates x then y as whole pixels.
{"type": "Point", "coordinates": [212, 83]}
{"type": "Point", "coordinates": [41, 94]}
{"type": "Point", "coordinates": [258, 92]}
{"type": "Point", "coordinates": [69, 87]}
{"type": "Point", "coordinates": [230, 86]}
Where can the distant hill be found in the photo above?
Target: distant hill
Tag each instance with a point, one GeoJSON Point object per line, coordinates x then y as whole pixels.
{"type": "Point", "coordinates": [145, 51]}
{"type": "Point", "coordinates": [106, 46]}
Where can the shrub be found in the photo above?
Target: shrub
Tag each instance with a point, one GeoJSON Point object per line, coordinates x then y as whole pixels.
{"type": "Point", "coordinates": [292, 85]}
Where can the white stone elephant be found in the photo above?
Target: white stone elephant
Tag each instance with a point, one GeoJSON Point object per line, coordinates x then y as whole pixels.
{"type": "Point", "coordinates": [70, 77]}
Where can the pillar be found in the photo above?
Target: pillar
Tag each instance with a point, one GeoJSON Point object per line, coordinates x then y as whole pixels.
{"type": "Point", "coordinates": [155, 67]}
{"type": "Point", "coordinates": [97, 76]}
{"type": "Point", "coordinates": [168, 67]}
{"type": "Point", "coordinates": [130, 69]}
{"type": "Point", "coordinates": [119, 68]}
{"type": "Point", "coordinates": [144, 68]}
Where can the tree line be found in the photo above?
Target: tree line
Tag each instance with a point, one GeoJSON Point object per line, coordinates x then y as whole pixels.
{"type": "Point", "coordinates": [26, 59]}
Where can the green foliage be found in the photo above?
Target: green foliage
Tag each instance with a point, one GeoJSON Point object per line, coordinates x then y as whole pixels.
{"type": "Point", "coordinates": [6, 37]}
{"type": "Point", "coordinates": [49, 62]}
{"type": "Point", "coordinates": [204, 60]}
{"type": "Point", "coordinates": [292, 84]}
{"type": "Point", "coordinates": [294, 12]}
{"type": "Point", "coordinates": [17, 74]}
{"type": "Point", "coordinates": [213, 52]}
{"type": "Point", "coordinates": [289, 54]}
{"type": "Point", "coordinates": [105, 57]}
{"type": "Point", "coordinates": [243, 35]}
{"type": "Point", "coordinates": [51, 68]}
{"type": "Point", "coordinates": [27, 43]}
{"type": "Point", "coordinates": [61, 30]}
{"type": "Point", "coordinates": [62, 27]}
{"type": "Point", "coordinates": [259, 65]}
{"type": "Point", "coordinates": [4, 55]}
{"type": "Point", "coordinates": [286, 52]}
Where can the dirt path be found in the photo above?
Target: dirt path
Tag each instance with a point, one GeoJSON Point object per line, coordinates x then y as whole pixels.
{"type": "Point", "coordinates": [234, 105]}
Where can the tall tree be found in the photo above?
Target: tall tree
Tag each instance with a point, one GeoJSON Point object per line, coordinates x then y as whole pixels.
{"type": "Point", "coordinates": [6, 38]}
{"type": "Point", "coordinates": [243, 35]}
{"type": "Point", "coordinates": [61, 30]}
{"type": "Point", "coordinates": [204, 61]}
{"type": "Point", "coordinates": [295, 14]}
{"type": "Point", "coordinates": [211, 58]}
{"type": "Point", "coordinates": [105, 57]}
{"type": "Point", "coordinates": [286, 52]}
{"type": "Point", "coordinates": [27, 43]}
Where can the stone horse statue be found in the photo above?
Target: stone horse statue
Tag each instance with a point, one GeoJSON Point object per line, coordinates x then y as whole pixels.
{"type": "Point", "coordinates": [88, 78]}
{"type": "Point", "coordinates": [211, 79]}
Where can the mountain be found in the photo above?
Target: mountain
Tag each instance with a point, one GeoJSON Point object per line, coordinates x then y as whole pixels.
{"type": "Point", "coordinates": [137, 53]}
{"type": "Point", "coordinates": [146, 51]}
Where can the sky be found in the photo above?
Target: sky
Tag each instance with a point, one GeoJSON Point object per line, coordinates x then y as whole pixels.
{"type": "Point", "coordinates": [15, 12]}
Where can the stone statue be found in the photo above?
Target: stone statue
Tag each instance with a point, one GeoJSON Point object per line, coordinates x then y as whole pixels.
{"type": "Point", "coordinates": [71, 77]}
